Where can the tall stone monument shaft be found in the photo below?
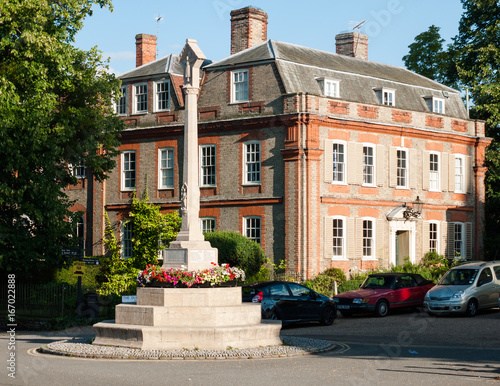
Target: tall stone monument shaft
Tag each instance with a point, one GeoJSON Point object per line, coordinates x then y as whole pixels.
{"type": "Point", "coordinates": [190, 248]}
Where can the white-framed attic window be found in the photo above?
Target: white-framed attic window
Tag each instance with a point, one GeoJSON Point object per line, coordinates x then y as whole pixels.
{"type": "Point", "coordinates": [329, 87]}
{"type": "Point", "coordinates": [435, 104]}
{"type": "Point", "coordinates": [386, 96]}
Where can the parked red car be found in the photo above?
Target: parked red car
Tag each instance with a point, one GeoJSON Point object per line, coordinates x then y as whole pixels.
{"type": "Point", "coordinates": [381, 292]}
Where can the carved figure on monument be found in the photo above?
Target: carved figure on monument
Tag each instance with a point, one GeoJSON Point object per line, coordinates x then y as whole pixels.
{"type": "Point", "coordinates": [187, 70]}
{"type": "Point", "coordinates": [184, 193]}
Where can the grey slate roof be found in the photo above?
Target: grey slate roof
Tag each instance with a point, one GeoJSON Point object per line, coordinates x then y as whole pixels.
{"type": "Point", "coordinates": [167, 65]}
{"type": "Point", "coordinates": [299, 67]}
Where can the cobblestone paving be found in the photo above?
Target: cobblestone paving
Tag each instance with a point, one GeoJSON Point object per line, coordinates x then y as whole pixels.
{"type": "Point", "coordinates": [83, 348]}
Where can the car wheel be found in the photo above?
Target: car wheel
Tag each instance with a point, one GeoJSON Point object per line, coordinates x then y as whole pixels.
{"type": "Point", "coordinates": [346, 314]}
{"type": "Point", "coordinates": [471, 308]}
{"type": "Point", "coordinates": [382, 308]}
{"type": "Point", "coordinates": [327, 316]}
{"type": "Point", "coordinates": [274, 316]}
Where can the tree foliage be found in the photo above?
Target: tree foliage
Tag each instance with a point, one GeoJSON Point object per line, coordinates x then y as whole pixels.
{"type": "Point", "coordinates": [428, 57]}
{"type": "Point", "coordinates": [152, 230]}
{"type": "Point", "coordinates": [473, 63]}
{"type": "Point", "coordinates": [149, 227]}
{"type": "Point", "coordinates": [55, 111]}
{"type": "Point", "coordinates": [477, 48]}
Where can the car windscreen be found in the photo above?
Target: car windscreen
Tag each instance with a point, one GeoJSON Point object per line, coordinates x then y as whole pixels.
{"type": "Point", "coordinates": [378, 282]}
{"type": "Point", "coordinates": [459, 276]}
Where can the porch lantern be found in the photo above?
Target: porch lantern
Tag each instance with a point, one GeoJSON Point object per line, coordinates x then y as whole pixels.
{"type": "Point", "coordinates": [415, 211]}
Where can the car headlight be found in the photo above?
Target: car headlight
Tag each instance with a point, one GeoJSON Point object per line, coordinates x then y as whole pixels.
{"type": "Point", "coordinates": [427, 296]}
{"type": "Point", "coordinates": [458, 294]}
{"type": "Point", "coordinates": [336, 300]}
{"type": "Point", "coordinates": [360, 301]}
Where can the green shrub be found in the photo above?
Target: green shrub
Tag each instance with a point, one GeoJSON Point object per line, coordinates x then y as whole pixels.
{"type": "Point", "coordinates": [350, 285]}
{"type": "Point", "coordinates": [267, 271]}
{"type": "Point", "coordinates": [322, 284]}
{"type": "Point", "coordinates": [336, 273]}
{"type": "Point", "coordinates": [237, 251]}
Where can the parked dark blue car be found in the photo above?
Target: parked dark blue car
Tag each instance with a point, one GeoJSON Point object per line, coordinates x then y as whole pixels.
{"type": "Point", "coordinates": [290, 302]}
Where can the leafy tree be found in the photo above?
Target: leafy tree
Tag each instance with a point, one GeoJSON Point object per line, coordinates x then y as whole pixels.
{"type": "Point", "coordinates": [237, 251]}
{"type": "Point", "coordinates": [152, 230]}
{"type": "Point", "coordinates": [428, 58]}
{"type": "Point", "coordinates": [477, 48]}
{"type": "Point", "coordinates": [55, 111]}
{"type": "Point", "coordinates": [473, 63]}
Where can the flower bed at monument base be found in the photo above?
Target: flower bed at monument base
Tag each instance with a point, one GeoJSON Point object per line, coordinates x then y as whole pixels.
{"type": "Point", "coordinates": [217, 276]}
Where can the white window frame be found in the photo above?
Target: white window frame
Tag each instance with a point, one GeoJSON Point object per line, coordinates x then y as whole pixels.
{"type": "Point", "coordinates": [368, 240]}
{"type": "Point", "coordinates": [434, 242]}
{"type": "Point", "coordinates": [459, 174]}
{"type": "Point", "coordinates": [339, 163]}
{"type": "Point", "coordinates": [157, 94]}
{"type": "Point", "coordinates": [435, 175]}
{"type": "Point", "coordinates": [404, 169]}
{"type": "Point", "coordinates": [459, 244]}
{"type": "Point", "coordinates": [388, 97]}
{"type": "Point", "coordinates": [252, 228]}
{"type": "Point", "coordinates": [252, 163]}
{"type": "Point", "coordinates": [208, 224]}
{"type": "Point", "coordinates": [78, 171]}
{"type": "Point", "coordinates": [168, 167]}
{"type": "Point", "coordinates": [367, 166]}
{"type": "Point", "coordinates": [126, 168]}
{"type": "Point", "coordinates": [126, 230]}
{"type": "Point", "coordinates": [138, 98]}
{"type": "Point", "coordinates": [240, 78]}
{"type": "Point", "coordinates": [121, 103]}
{"type": "Point", "coordinates": [329, 87]}
{"type": "Point", "coordinates": [438, 105]}
{"type": "Point", "coordinates": [208, 165]}
{"type": "Point", "coordinates": [339, 240]}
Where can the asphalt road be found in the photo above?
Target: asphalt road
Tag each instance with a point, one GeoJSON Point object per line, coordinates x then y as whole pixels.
{"type": "Point", "coordinates": [408, 348]}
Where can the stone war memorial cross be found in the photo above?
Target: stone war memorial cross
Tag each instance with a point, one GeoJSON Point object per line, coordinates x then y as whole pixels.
{"type": "Point", "coordinates": [189, 318]}
{"type": "Point", "coordinates": [190, 249]}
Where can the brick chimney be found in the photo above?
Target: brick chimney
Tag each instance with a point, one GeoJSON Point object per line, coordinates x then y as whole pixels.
{"type": "Point", "coordinates": [353, 44]}
{"type": "Point", "coordinates": [145, 49]}
{"type": "Point", "coordinates": [248, 28]}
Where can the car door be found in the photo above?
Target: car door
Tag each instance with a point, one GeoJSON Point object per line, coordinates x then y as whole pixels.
{"type": "Point", "coordinates": [486, 291]}
{"type": "Point", "coordinates": [402, 292]}
{"type": "Point", "coordinates": [306, 305]}
{"type": "Point", "coordinates": [280, 297]}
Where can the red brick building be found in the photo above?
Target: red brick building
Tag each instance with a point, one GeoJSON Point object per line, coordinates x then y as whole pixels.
{"type": "Point", "coordinates": [316, 155]}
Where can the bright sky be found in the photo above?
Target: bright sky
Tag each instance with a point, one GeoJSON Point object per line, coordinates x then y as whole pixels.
{"type": "Point", "coordinates": [391, 25]}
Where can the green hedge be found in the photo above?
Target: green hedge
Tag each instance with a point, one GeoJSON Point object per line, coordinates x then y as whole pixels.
{"type": "Point", "coordinates": [237, 251]}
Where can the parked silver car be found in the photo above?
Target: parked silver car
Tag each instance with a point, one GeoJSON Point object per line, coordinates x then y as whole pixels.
{"type": "Point", "coordinates": [465, 289]}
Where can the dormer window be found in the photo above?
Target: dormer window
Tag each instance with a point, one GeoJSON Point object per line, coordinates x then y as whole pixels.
{"type": "Point", "coordinates": [435, 104]}
{"type": "Point", "coordinates": [329, 87]}
{"type": "Point", "coordinates": [386, 96]}
{"type": "Point", "coordinates": [141, 98]}
{"type": "Point", "coordinates": [239, 80]}
{"type": "Point", "coordinates": [121, 103]}
{"type": "Point", "coordinates": [438, 105]}
{"type": "Point", "coordinates": [162, 95]}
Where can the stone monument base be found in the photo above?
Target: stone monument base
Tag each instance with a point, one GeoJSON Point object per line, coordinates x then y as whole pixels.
{"type": "Point", "coordinates": [194, 255]}
{"type": "Point", "coordinates": [188, 318]}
